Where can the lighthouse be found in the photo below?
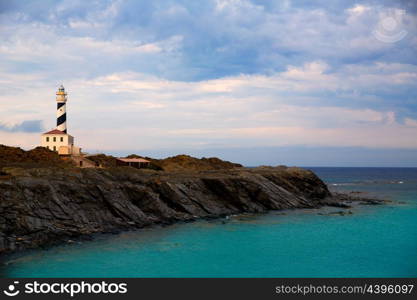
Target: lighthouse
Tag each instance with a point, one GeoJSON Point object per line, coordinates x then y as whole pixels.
{"type": "Point", "coordinates": [61, 113]}
{"type": "Point", "coordinates": [58, 139]}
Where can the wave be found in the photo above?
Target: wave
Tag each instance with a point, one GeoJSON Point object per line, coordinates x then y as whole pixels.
{"type": "Point", "coordinates": [368, 182]}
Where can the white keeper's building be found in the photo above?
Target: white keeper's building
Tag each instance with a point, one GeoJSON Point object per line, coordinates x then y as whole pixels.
{"type": "Point", "coordinates": [58, 139]}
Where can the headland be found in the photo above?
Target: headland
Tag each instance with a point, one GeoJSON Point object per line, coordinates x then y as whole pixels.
{"type": "Point", "coordinates": [45, 200]}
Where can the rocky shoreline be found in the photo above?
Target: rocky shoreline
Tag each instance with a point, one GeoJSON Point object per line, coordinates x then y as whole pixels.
{"type": "Point", "coordinates": [44, 206]}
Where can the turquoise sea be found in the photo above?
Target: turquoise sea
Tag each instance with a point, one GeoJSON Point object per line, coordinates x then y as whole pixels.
{"type": "Point", "coordinates": [373, 241]}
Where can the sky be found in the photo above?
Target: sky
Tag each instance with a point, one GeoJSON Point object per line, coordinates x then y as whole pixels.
{"type": "Point", "coordinates": [312, 83]}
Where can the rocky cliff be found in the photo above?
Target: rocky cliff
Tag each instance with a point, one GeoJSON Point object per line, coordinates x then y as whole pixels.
{"type": "Point", "coordinates": [40, 206]}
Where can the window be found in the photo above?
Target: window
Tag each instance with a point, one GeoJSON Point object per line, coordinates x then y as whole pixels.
{"type": "Point", "coordinates": [62, 139]}
{"type": "Point", "coordinates": [54, 139]}
{"type": "Point", "coordinates": [47, 138]}
{"type": "Point", "coordinates": [54, 148]}
{"type": "Point", "coordinates": [81, 163]}
{"type": "Point", "coordinates": [47, 147]}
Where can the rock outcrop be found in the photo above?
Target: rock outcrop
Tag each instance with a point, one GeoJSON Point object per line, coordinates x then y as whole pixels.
{"type": "Point", "coordinates": [185, 162]}
{"type": "Point", "coordinates": [41, 206]}
{"type": "Point", "coordinates": [172, 164]}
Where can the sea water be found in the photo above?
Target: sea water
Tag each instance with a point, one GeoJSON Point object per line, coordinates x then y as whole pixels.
{"type": "Point", "coordinates": [373, 241]}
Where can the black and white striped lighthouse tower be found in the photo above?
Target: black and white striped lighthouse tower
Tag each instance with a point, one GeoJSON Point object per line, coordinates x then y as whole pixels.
{"type": "Point", "coordinates": [61, 114]}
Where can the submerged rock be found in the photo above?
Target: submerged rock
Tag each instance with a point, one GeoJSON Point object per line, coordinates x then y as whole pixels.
{"type": "Point", "coordinates": [338, 213]}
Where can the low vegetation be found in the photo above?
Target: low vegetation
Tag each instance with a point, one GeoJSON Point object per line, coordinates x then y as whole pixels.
{"type": "Point", "coordinates": [36, 158]}
{"type": "Point", "coordinates": [40, 157]}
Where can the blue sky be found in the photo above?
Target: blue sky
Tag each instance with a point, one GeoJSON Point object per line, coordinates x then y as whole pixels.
{"type": "Point", "coordinates": [267, 82]}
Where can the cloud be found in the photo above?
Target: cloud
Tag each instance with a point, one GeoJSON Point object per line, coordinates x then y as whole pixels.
{"type": "Point", "coordinates": [310, 77]}
{"type": "Point", "coordinates": [306, 105]}
{"type": "Point", "coordinates": [181, 41]}
{"type": "Point", "coordinates": [209, 74]}
{"type": "Point", "coordinates": [32, 126]}
{"type": "Point", "coordinates": [358, 9]}
{"type": "Point", "coordinates": [410, 122]}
